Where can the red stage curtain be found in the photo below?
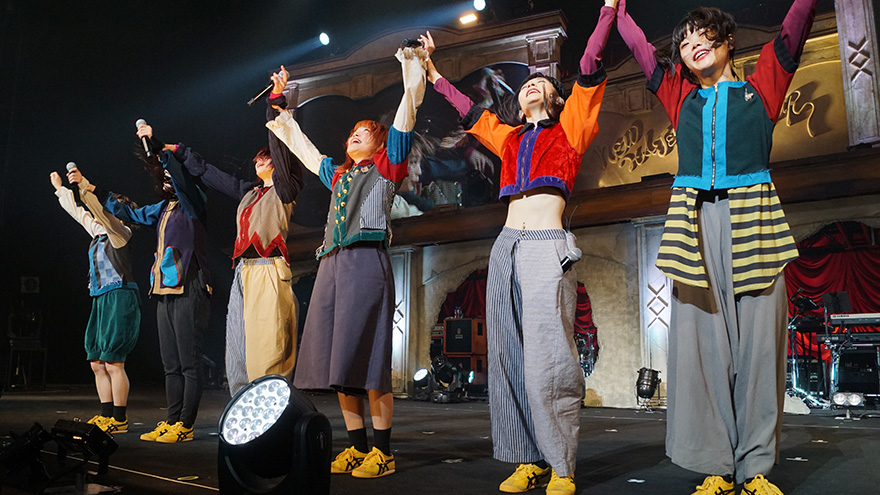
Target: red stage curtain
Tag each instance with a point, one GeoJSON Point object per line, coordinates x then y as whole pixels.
{"type": "Point", "coordinates": [470, 297]}
{"type": "Point", "coordinates": [842, 257]}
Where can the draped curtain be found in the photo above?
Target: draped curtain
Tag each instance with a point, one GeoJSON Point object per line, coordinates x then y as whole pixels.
{"type": "Point", "coordinates": [842, 257]}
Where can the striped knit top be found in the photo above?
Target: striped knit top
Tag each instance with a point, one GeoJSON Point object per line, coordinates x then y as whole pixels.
{"type": "Point", "coordinates": [761, 239]}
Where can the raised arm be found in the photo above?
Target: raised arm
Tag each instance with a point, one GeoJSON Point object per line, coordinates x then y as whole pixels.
{"type": "Point", "coordinates": [117, 232]}
{"type": "Point", "coordinates": [796, 27]}
{"type": "Point", "coordinates": [78, 213]}
{"type": "Point", "coordinates": [635, 39]}
{"type": "Point", "coordinates": [218, 180]}
{"type": "Point", "coordinates": [399, 144]}
{"type": "Point", "coordinates": [287, 130]}
{"type": "Point", "coordinates": [779, 60]}
{"type": "Point", "coordinates": [480, 122]}
{"type": "Point", "coordinates": [288, 174]}
{"type": "Point", "coordinates": [188, 193]}
{"type": "Point", "coordinates": [592, 57]}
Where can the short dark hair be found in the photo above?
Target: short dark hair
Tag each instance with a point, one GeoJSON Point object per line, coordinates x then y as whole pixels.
{"type": "Point", "coordinates": [718, 25]}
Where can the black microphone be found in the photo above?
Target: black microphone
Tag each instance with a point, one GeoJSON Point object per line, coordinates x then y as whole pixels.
{"type": "Point", "coordinates": [71, 166]}
{"type": "Point", "coordinates": [571, 257]}
{"type": "Point", "coordinates": [145, 141]}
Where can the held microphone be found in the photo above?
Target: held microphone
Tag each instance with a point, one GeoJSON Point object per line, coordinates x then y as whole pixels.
{"type": "Point", "coordinates": [259, 95]}
{"type": "Point", "coordinates": [145, 141]}
{"type": "Point", "coordinates": [571, 257]}
{"type": "Point", "coordinates": [71, 166]}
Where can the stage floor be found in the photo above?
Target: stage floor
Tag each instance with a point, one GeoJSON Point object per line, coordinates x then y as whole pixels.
{"type": "Point", "coordinates": [445, 449]}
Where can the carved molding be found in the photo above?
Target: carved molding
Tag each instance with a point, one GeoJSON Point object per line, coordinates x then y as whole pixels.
{"type": "Point", "coordinates": [370, 67]}
{"type": "Point", "coordinates": [861, 68]}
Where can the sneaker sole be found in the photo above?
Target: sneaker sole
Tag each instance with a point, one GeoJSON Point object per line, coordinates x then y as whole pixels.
{"type": "Point", "coordinates": [370, 476]}
{"type": "Point", "coordinates": [518, 490]}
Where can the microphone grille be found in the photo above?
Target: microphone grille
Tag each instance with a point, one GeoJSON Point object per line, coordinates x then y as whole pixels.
{"type": "Point", "coordinates": [575, 253]}
{"type": "Point", "coordinates": [140, 122]}
{"type": "Point", "coordinates": [71, 166]}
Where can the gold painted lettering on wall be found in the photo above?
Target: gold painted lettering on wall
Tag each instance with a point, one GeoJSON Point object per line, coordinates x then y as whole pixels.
{"type": "Point", "coordinates": [793, 107]}
{"type": "Point", "coordinates": [636, 146]}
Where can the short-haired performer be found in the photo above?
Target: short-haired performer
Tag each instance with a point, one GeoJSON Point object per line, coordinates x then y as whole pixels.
{"type": "Point", "coordinates": [347, 336]}
{"type": "Point", "coordinates": [725, 244]}
{"type": "Point", "coordinates": [535, 383]}
{"type": "Point", "coordinates": [261, 319]}
{"type": "Point", "coordinates": [114, 323]}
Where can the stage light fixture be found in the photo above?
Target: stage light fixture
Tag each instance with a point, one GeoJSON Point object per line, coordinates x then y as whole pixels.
{"type": "Point", "coordinates": [422, 384]}
{"type": "Point", "coordinates": [24, 450]}
{"type": "Point", "coordinates": [447, 381]}
{"type": "Point", "coordinates": [848, 399]}
{"type": "Point", "coordinates": [421, 378]}
{"type": "Point", "coordinates": [273, 440]}
{"type": "Point", "coordinates": [86, 439]}
{"type": "Point", "coordinates": [480, 4]}
{"type": "Point", "coordinates": [468, 18]}
{"type": "Point", "coordinates": [324, 39]}
{"type": "Point", "coordinates": [646, 386]}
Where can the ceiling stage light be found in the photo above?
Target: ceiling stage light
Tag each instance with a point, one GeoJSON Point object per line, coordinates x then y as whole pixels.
{"type": "Point", "coordinates": [468, 18]}
{"type": "Point", "coordinates": [324, 39]}
{"type": "Point", "coordinates": [480, 4]}
{"type": "Point", "coordinates": [273, 440]}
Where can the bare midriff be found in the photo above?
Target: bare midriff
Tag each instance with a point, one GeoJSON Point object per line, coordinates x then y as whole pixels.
{"type": "Point", "coordinates": [536, 209]}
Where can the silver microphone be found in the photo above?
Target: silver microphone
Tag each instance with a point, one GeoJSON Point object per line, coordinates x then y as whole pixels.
{"type": "Point", "coordinates": [145, 141]}
{"type": "Point", "coordinates": [571, 257]}
{"type": "Point", "coordinates": [71, 166]}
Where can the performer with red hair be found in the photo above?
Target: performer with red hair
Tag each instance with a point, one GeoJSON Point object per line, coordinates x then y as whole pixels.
{"type": "Point", "coordinates": [347, 337]}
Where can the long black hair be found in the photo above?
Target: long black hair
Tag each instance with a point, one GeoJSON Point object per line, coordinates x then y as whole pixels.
{"type": "Point", "coordinates": [718, 25]}
{"type": "Point", "coordinates": [154, 167]}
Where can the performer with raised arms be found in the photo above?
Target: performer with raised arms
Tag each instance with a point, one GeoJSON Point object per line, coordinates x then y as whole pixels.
{"type": "Point", "coordinates": [347, 337]}
{"type": "Point", "coordinates": [725, 244]}
{"type": "Point", "coordinates": [535, 383]}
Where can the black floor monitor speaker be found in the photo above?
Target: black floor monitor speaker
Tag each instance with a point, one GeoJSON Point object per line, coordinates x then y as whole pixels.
{"type": "Point", "coordinates": [857, 371]}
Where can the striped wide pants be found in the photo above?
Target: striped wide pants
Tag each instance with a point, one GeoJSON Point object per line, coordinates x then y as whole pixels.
{"type": "Point", "coordinates": [535, 383]}
{"type": "Point", "coordinates": [261, 322]}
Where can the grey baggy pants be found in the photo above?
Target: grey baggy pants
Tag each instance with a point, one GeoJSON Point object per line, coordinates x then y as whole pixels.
{"type": "Point", "coordinates": [726, 364]}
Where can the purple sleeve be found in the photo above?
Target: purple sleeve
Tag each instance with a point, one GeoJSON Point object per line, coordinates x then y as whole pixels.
{"type": "Point", "coordinates": [593, 53]}
{"type": "Point", "coordinates": [635, 39]}
{"type": "Point", "coordinates": [455, 97]}
{"type": "Point", "coordinates": [796, 26]}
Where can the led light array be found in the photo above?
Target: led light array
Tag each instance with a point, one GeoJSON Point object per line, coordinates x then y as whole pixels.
{"type": "Point", "coordinates": [256, 410]}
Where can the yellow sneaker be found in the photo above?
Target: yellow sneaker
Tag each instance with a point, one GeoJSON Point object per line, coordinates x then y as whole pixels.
{"type": "Point", "coordinates": [715, 485]}
{"type": "Point", "coordinates": [113, 427]}
{"type": "Point", "coordinates": [561, 486]}
{"type": "Point", "coordinates": [347, 461]}
{"type": "Point", "coordinates": [176, 433]}
{"type": "Point", "coordinates": [375, 465]}
{"type": "Point", "coordinates": [525, 478]}
{"type": "Point", "coordinates": [161, 428]}
{"type": "Point", "coordinates": [760, 486]}
{"type": "Point", "coordinates": [97, 419]}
